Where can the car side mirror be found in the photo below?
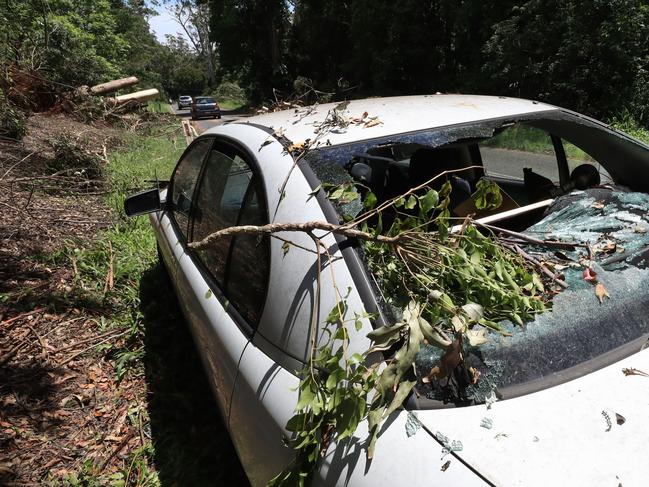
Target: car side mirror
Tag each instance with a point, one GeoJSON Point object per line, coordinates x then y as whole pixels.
{"type": "Point", "coordinates": [143, 202]}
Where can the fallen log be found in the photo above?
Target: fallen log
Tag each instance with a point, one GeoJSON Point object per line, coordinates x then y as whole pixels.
{"type": "Point", "coordinates": [115, 85]}
{"type": "Point", "coordinates": [135, 98]}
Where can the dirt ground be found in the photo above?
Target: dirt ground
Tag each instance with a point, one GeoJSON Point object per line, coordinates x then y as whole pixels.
{"type": "Point", "coordinates": [63, 413]}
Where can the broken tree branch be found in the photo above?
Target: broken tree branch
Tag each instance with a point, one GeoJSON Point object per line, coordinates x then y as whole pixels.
{"type": "Point", "coordinates": [294, 227]}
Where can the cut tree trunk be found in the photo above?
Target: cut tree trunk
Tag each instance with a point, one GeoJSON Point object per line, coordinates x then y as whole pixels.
{"type": "Point", "coordinates": [136, 97]}
{"type": "Point", "coordinates": [114, 85]}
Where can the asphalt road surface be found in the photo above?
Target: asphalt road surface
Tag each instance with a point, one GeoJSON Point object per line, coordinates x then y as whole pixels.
{"type": "Point", "coordinates": [205, 123]}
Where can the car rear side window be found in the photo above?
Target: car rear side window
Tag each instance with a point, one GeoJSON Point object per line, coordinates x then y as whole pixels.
{"type": "Point", "coordinates": [230, 193]}
{"type": "Point", "coordinates": [184, 182]}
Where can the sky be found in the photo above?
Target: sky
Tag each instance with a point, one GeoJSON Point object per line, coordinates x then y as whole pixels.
{"type": "Point", "coordinates": [163, 23]}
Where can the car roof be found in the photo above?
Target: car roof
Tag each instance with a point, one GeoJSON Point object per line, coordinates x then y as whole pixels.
{"type": "Point", "coordinates": [396, 115]}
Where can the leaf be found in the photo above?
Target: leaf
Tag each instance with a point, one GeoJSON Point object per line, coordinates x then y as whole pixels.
{"type": "Point", "coordinates": [314, 192]}
{"type": "Point", "coordinates": [474, 311]}
{"type": "Point", "coordinates": [411, 202]}
{"type": "Point", "coordinates": [384, 337]}
{"type": "Point", "coordinates": [208, 294]}
{"type": "Point", "coordinates": [487, 195]}
{"type": "Point", "coordinates": [428, 201]}
{"type": "Point", "coordinates": [601, 292]}
{"type": "Point", "coordinates": [459, 324]}
{"type": "Point", "coordinates": [372, 123]}
{"type": "Point", "coordinates": [590, 275]}
{"type": "Point", "coordinates": [432, 336]}
{"type": "Point", "coordinates": [477, 337]}
{"type": "Point", "coordinates": [374, 421]}
{"type": "Point", "coordinates": [297, 147]}
{"type": "Point", "coordinates": [370, 201]}
{"type": "Point", "coordinates": [449, 361]}
{"type": "Point", "coordinates": [402, 393]}
{"type": "Point", "coordinates": [285, 248]}
{"type": "Point", "coordinates": [306, 396]}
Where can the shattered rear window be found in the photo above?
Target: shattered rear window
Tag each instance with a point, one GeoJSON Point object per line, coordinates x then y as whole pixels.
{"type": "Point", "coordinates": [581, 324]}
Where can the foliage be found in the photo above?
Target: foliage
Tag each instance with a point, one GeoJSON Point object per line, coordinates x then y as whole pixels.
{"type": "Point", "coordinates": [626, 123]}
{"type": "Point", "coordinates": [582, 40]}
{"type": "Point", "coordinates": [229, 91]}
{"type": "Point", "coordinates": [360, 47]}
{"type": "Point", "coordinates": [71, 155]}
{"type": "Point", "coordinates": [13, 122]}
{"type": "Point", "coordinates": [451, 286]}
{"type": "Point", "coordinates": [127, 249]}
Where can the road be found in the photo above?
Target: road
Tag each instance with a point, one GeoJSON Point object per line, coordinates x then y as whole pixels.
{"type": "Point", "coordinates": [207, 123]}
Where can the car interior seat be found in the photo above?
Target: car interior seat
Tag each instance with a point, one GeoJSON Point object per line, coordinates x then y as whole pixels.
{"type": "Point", "coordinates": [426, 163]}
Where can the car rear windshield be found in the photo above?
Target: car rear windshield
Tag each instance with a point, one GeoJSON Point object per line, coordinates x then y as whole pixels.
{"type": "Point", "coordinates": [204, 101]}
{"type": "Point", "coordinates": [562, 178]}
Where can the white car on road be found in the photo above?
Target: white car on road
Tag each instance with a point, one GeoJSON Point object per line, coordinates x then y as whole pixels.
{"type": "Point", "coordinates": [565, 414]}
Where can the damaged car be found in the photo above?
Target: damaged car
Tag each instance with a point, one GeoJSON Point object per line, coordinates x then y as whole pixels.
{"type": "Point", "coordinates": [553, 392]}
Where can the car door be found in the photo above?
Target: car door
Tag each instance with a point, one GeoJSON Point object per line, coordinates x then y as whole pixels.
{"type": "Point", "coordinates": [222, 288]}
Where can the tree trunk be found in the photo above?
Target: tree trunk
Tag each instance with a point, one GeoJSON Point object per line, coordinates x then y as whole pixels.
{"type": "Point", "coordinates": [113, 86]}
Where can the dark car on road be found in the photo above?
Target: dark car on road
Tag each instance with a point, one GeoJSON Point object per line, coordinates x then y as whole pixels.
{"type": "Point", "coordinates": [205, 106]}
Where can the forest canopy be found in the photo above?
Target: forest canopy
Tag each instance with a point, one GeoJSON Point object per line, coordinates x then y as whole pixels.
{"type": "Point", "coordinates": [588, 55]}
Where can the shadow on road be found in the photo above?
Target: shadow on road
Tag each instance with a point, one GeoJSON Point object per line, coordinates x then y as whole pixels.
{"type": "Point", "coordinates": [192, 445]}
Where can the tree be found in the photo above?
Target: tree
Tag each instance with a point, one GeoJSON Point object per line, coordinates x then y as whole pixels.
{"type": "Point", "coordinates": [252, 38]}
{"type": "Point", "coordinates": [592, 55]}
{"type": "Point", "coordinates": [195, 19]}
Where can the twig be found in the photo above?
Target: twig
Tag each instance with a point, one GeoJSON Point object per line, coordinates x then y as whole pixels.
{"type": "Point", "coordinates": [10, 354]}
{"type": "Point", "coordinates": [121, 445]}
{"type": "Point", "coordinates": [537, 263]}
{"type": "Point", "coordinates": [22, 315]}
{"type": "Point", "coordinates": [365, 216]}
{"type": "Point", "coordinates": [81, 342]}
{"type": "Point", "coordinates": [14, 165]}
{"type": "Point", "coordinates": [632, 371]}
{"type": "Point", "coordinates": [527, 238]}
{"type": "Point", "coordinates": [108, 286]}
{"type": "Point", "coordinates": [40, 340]}
{"type": "Point", "coordinates": [72, 357]}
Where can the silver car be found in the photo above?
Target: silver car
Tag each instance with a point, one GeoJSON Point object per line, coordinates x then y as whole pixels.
{"type": "Point", "coordinates": [565, 413]}
{"type": "Point", "coordinates": [184, 101]}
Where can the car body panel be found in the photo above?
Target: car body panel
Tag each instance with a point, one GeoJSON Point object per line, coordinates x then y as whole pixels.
{"type": "Point", "coordinates": [559, 436]}
{"type": "Point", "coordinates": [257, 434]}
{"type": "Point", "coordinates": [220, 342]}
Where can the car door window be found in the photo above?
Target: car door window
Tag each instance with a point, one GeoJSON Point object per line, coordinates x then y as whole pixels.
{"type": "Point", "coordinates": [230, 194]}
{"type": "Point", "coordinates": [184, 182]}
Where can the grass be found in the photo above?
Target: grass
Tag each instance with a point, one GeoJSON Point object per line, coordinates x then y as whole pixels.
{"type": "Point", "coordinates": [530, 139]}
{"type": "Point", "coordinates": [189, 444]}
{"type": "Point", "coordinates": [158, 107]}
{"type": "Point", "coordinates": [626, 123]}
{"type": "Point", "coordinates": [231, 104]}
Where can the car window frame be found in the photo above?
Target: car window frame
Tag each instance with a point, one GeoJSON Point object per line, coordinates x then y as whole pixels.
{"type": "Point", "coordinates": [248, 158]}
